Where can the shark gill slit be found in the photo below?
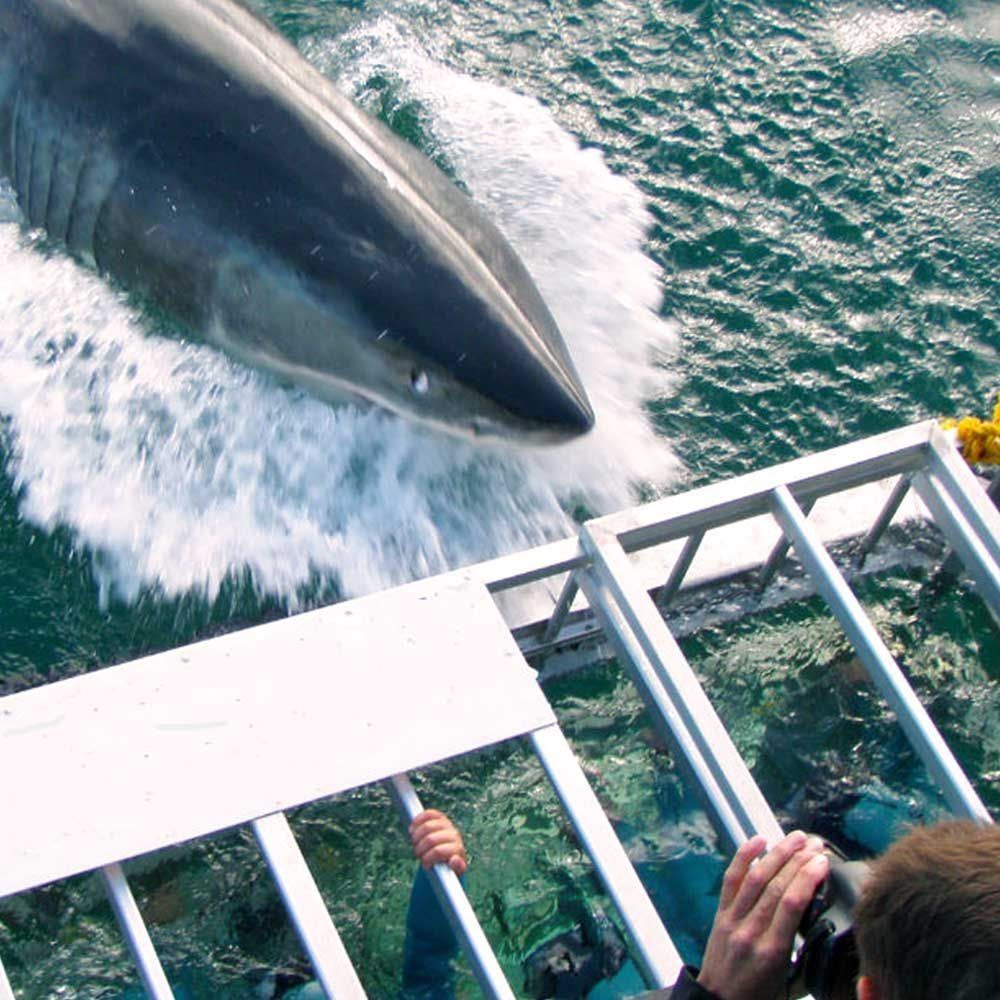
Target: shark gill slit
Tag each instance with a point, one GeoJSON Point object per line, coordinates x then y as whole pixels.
{"type": "Point", "coordinates": [62, 192]}
{"type": "Point", "coordinates": [75, 237]}
{"type": "Point", "coordinates": [12, 145]}
{"type": "Point", "coordinates": [41, 171]}
{"type": "Point", "coordinates": [53, 179]}
{"type": "Point", "coordinates": [25, 152]}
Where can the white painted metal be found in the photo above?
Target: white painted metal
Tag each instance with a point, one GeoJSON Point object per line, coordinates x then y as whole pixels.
{"type": "Point", "coordinates": [261, 717]}
{"type": "Point", "coordinates": [6, 993]}
{"type": "Point", "coordinates": [330, 961]}
{"type": "Point", "coordinates": [832, 471]}
{"type": "Point", "coordinates": [665, 714]}
{"type": "Point", "coordinates": [970, 548]}
{"type": "Point", "coordinates": [655, 953]}
{"type": "Point", "coordinates": [678, 571]}
{"type": "Point", "coordinates": [685, 693]}
{"type": "Point", "coordinates": [729, 554]}
{"type": "Point", "coordinates": [779, 554]}
{"type": "Point", "coordinates": [570, 589]}
{"type": "Point", "coordinates": [154, 979]}
{"type": "Point", "coordinates": [735, 512]}
{"type": "Point", "coordinates": [874, 654]}
{"type": "Point", "coordinates": [530, 565]}
{"type": "Point", "coordinates": [976, 507]}
{"type": "Point", "coordinates": [456, 905]}
{"type": "Point", "coordinates": [883, 520]}
{"type": "Point", "coordinates": [431, 670]}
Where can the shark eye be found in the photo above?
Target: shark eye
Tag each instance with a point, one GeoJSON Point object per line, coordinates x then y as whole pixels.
{"type": "Point", "coordinates": [419, 382]}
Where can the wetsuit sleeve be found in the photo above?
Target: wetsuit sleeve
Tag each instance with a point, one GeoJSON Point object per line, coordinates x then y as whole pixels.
{"type": "Point", "coordinates": [430, 947]}
{"type": "Point", "coordinates": [687, 987]}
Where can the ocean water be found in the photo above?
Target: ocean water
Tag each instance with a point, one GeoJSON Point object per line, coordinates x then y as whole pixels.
{"type": "Point", "coordinates": [764, 228]}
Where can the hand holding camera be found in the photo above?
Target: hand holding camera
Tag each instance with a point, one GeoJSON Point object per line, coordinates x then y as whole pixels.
{"type": "Point", "coordinates": [764, 898]}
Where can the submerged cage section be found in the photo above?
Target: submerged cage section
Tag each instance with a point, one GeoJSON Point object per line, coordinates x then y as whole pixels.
{"type": "Point", "coordinates": [112, 753]}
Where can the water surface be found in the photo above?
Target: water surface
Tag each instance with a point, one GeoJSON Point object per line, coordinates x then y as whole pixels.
{"type": "Point", "coordinates": [764, 228]}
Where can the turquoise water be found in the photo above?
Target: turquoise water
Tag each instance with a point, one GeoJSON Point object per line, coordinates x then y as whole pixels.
{"type": "Point", "coordinates": [765, 229]}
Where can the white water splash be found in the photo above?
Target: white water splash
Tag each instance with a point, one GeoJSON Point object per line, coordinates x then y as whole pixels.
{"type": "Point", "coordinates": [177, 467]}
{"type": "Point", "coordinates": [579, 229]}
{"type": "Point", "coordinates": [870, 30]}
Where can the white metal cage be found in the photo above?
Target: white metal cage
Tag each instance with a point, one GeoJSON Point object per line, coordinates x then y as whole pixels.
{"type": "Point", "coordinates": [371, 689]}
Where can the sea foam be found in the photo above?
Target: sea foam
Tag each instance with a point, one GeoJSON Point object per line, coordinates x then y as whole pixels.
{"type": "Point", "coordinates": [176, 467]}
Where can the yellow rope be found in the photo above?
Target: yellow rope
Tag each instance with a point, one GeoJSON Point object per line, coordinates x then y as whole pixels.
{"type": "Point", "coordinates": [980, 439]}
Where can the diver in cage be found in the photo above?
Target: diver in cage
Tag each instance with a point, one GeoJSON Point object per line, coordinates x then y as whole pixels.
{"type": "Point", "coordinates": [430, 945]}
{"type": "Point", "coordinates": [923, 923]}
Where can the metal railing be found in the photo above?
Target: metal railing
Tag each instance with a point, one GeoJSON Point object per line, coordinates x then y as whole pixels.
{"type": "Point", "coordinates": [601, 590]}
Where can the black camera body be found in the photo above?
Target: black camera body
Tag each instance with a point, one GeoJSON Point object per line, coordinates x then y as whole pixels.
{"type": "Point", "coordinates": [827, 963]}
{"type": "Point", "coordinates": [825, 966]}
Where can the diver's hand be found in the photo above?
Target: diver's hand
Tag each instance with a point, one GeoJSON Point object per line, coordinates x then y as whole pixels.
{"type": "Point", "coordinates": [762, 903]}
{"type": "Point", "coordinates": [436, 839]}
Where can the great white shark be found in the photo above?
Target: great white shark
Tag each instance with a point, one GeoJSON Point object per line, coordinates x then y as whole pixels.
{"type": "Point", "coordinates": [186, 149]}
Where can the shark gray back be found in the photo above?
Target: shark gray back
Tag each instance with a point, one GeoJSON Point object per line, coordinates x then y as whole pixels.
{"type": "Point", "coordinates": [186, 149]}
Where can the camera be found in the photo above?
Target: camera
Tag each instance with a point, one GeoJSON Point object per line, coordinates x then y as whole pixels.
{"type": "Point", "coordinates": [826, 965]}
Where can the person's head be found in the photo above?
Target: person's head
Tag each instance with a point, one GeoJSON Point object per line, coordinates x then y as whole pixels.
{"type": "Point", "coordinates": [928, 922]}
